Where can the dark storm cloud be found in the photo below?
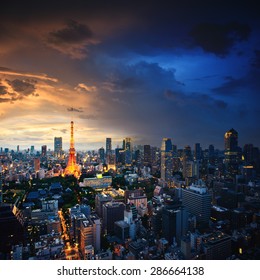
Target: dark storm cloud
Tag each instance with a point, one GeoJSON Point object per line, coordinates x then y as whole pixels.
{"type": "Point", "coordinates": [248, 84]}
{"type": "Point", "coordinates": [14, 90]}
{"type": "Point", "coordinates": [74, 32]}
{"type": "Point", "coordinates": [219, 38]}
{"type": "Point", "coordinates": [72, 39]}
{"type": "Point", "coordinates": [23, 87]}
{"type": "Point", "coordinates": [202, 101]}
{"type": "Point", "coordinates": [3, 90]}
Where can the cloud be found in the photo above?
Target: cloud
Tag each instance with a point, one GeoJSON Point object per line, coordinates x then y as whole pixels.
{"type": "Point", "coordinates": [23, 87]}
{"type": "Point", "coordinates": [88, 117]}
{"type": "Point", "coordinates": [14, 90]}
{"type": "Point", "coordinates": [219, 38]}
{"type": "Point", "coordinates": [81, 87]}
{"type": "Point", "coordinates": [79, 110]}
{"type": "Point", "coordinates": [72, 39]}
{"type": "Point", "coordinates": [10, 72]}
{"type": "Point", "coordinates": [256, 60]}
{"type": "Point", "coordinates": [197, 100]}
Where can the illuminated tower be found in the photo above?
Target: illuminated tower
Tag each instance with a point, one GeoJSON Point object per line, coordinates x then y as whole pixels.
{"type": "Point", "coordinates": [72, 167]}
{"type": "Point", "coordinates": [231, 151]}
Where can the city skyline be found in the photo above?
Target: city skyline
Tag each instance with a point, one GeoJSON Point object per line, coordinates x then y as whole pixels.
{"type": "Point", "coordinates": [147, 71]}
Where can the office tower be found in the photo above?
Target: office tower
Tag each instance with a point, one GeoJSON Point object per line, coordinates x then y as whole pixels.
{"type": "Point", "coordinates": [32, 149]}
{"type": "Point", "coordinates": [188, 169]}
{"type": "Point", "coordinates": [248, 153]}
{"type": "Point", "coordinates": [231, 151]}
{"type": "Point", "coordinates": [100, 200]}
{"type": "Point", "coordinates": [147, 155]}
{"type": "Point", "coordinates": [122, 230]}
{"type": "Point", "coordinates": [138, 158]}
{"type": "Point", "coordinates": [120, 155]}
{"type": "Point", "coordinates": [44, 151]}
{"type": "Point", "coordinates": [187, 153]}
{"type": "Point", "coordinates": [36, 164]}
{"type": "Point", "coordinates": [12, 231]}
{"type": "Point", "coordinates": [211, 155]}
{"type": "Point", "coordinates": [174, 224]}
{"type": "Point", "coordinates": [216, 245]}
{"type": "Point", "coordinates": [156, 222]}
{"type": "Point", "coordinates": [72, 167]}
{"type": "Point", "coordinates": [18, 149]}
{"type": "Point", "coordinates": [101, 153]}
{"type": "Point", "coordinates": [57, 146]}
{"type": "Point", "coordinates": [128, 151]}
{"type": "Point", "coordinates": [108, 147]}
{"type": "Point", "coordinates": [90, 233]}
{"type": "Point", "coordinates": [112, 212]}
{"type": "Point", "coordinates": [197, 200]}
{"type": "Point", "coordinates": [166, 160]}
{"type": "Point", "coordinates": [197, 152]}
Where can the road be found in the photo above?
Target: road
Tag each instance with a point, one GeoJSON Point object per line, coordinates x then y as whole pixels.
{"type": "Point", "coordinates": [71, 250]}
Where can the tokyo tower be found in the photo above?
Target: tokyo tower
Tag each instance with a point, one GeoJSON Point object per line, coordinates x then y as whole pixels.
{"type": "Point", "coordinates": [72, 167]}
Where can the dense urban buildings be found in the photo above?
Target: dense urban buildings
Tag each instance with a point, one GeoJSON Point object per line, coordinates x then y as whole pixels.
{"type": "Point", "coordinates": [131, 202]}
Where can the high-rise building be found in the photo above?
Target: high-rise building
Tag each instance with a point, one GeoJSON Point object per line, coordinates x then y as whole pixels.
{"type": "Point", "coordinates": [72, 167]}
{"type": "Point", "coordinates": [120, 155]}
{"type": "Point", "coordinates": [44, 151]}
{"type": "Point", "coordinates": [174, 224]}
{"type": "Point", "coordinates": [231, 151]}
{"type": "Point", "coordinates": [197, 200]}
{"type": "Point", "coordinates": [90, 230]}
{"type": "Point", "coordinates": [100, 200]}
{"type": "Point", "coordinates": [57, 146]}
{"type": "Point", "coordinates": [187, 153]}
{"type": "Point", "coordinates": [36, 164]}
{"type": "Point", "coordinates": [147, 155]}
{"type": "Point", "coordinates": [101, 153]}
{"type": "Point", "coordinates": [128, 151]}
{"type": "Point", "coordinates": [32, 149]}
{"type": "Point", "coordinates": [197, 152]}
{"type": "Point", "coordinates": [216, 246]}
{"type": "Point", "coordinates": [166, 160]}
{"type": "Point", "coordinates": [108, 147]}
{"type": "Point", "coordinates": [112, 212]}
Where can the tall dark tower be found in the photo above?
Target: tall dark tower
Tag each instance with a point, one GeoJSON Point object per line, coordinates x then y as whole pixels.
{"type": "Point", "coordinates": [72, 167]}
{"type": "Point", "coordinates": [231, 151]}
{"type": "Point", "coordinates": [166, 160]}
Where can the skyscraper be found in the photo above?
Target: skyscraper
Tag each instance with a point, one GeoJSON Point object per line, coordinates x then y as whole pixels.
{"type": "Point", "coordinates": [166, 160]}
{"type": "Point", "coordinates": [72, 167]}
{"type": "Point", "coordinates": [197, 152]}
{"type": "Point", "coordinates": [231, 151]}
{"type": "Point", "coordinates": [44, 151]}
{"type": "Point", "coordinates": [128, 151]}
{"type": "Point", "coordinates": [108, 147]}
{"type": "Point", "coordinates": [101, 153]}
{"type": "Point", "coordinates": [57, 146]}
{"type": "Point", "coordinates": [112, 212]}
{"type": "Point", "coordinates": [147, 155]}
{"type": "Point", "coordinates": [197, 200]}
{"type": "Point", "coordinates": [174, 224]}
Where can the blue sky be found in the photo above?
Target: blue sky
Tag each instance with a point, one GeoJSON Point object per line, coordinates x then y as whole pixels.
{"type": "Point", "coordinates": [140, 69]}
